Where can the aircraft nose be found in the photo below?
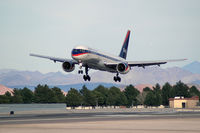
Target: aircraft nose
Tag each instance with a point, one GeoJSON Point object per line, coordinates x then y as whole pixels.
{"type": "Point", "coordinates": [75, 54]}
{"type": "Point", "coordinates": [79, 53]}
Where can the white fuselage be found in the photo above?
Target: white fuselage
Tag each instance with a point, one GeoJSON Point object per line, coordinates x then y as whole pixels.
{"type": "Point", "coordinates": [95, 59]}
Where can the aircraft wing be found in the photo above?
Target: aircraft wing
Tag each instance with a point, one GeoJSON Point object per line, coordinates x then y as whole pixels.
{"type": "Point", "coordinates": [144, 63]}
{"type": "Point", "coordinates": [150, 63]}
{"type": "Point", "coordinates": [54, 58]}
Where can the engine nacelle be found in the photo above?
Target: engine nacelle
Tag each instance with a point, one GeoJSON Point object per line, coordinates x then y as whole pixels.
{"type": "Point", "coordinates": [123, 68]}
{"type": "Point", "coordinates": [68, 66]}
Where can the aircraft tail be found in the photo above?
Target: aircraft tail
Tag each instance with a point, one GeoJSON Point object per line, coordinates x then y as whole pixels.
{"type": "Point", "coordinates": [124, 49]}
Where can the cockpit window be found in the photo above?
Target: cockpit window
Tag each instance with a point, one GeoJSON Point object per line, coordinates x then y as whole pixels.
{"type": "Point", "coordinates": [79, 51]}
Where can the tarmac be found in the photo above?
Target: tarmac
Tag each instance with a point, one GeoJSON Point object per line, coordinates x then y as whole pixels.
{"type": "Point", "coordinates": [98, 121]}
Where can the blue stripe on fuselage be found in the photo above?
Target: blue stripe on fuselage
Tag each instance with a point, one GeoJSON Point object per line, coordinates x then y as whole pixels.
{"type": "Point", "coordinates": [79, 51]}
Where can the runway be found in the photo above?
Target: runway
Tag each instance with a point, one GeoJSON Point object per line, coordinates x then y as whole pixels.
{"type": "Point", "coordinates": [136, 122]}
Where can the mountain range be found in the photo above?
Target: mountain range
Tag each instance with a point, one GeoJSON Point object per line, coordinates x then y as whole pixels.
{"type": "Point", "coordinates": [193, 67]}
{"type": "Point", "coordinates": [150, 75]}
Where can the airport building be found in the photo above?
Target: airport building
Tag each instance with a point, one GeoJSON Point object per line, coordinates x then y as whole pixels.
{"type": "Point", "coordinates": [181, 102]}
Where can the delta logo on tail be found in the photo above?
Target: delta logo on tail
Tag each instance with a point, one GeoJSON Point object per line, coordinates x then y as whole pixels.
{"type": "Point", "coordinates": [124, 49]}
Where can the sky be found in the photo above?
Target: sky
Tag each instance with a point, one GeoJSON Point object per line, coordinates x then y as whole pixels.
{"type": "Point", "coordinates": [160, 29]}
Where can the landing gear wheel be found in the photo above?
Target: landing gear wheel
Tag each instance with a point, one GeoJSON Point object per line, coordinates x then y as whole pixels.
{"type": "Point", "coordinates": [86, 77]}
{"type": "Point", "coordinates": [117, 78]}
{"type": "Point", "coordinates": [80, 71]}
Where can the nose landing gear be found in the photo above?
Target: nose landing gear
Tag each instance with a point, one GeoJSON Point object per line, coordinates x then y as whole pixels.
{"type": "Point", "coordinates": [80, 71]}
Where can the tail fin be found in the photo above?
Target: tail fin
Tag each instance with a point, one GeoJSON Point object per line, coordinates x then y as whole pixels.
{"type": "Point", "coordinates": [124, 49]}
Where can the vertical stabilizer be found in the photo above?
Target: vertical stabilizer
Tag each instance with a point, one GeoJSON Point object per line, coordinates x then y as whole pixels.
{"type": "Point", "coordinates": [124, 49]}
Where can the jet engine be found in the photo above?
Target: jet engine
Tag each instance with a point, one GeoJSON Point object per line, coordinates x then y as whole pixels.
{"type": "Point", "coordinates": [68, 66]}
{"type": "Point", "coordinates": [123, 68]}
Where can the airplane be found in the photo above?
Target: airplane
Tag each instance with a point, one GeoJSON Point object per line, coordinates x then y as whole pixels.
{"type": "Point", "coordinates": [94, 59]}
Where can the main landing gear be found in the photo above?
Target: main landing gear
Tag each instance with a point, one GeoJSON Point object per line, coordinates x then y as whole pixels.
{"type": "Point", "coordinates": [117, 78]}
{"type": "Point", "coordinates": [86, 76]}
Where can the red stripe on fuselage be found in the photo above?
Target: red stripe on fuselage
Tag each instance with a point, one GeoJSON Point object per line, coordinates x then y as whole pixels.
{"type": "Point", "coordinates": [78, 54]}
